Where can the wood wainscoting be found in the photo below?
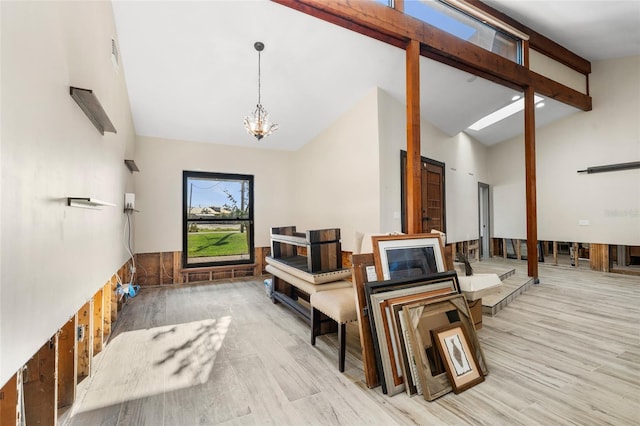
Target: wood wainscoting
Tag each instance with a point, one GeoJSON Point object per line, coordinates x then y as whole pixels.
{"type": "Point", "coordinates": [162, 268]}
{"type": "Point", "coordinates": [598, 257]}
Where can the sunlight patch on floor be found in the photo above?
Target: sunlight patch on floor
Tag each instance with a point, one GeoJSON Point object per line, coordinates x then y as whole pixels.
{"type": "Point", "coordinates": [157, 360]}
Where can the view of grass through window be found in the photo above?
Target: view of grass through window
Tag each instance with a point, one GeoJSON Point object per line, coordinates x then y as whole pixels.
{"type": "Point", "coordinates": [218, 219]}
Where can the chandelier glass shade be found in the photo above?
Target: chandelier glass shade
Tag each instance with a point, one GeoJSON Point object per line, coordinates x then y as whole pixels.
{"type": "Point", "coordinates": [258, 123]}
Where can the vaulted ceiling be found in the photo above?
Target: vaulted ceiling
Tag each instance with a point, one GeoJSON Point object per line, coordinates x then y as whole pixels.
{"type": "Point", "coordinates": [191, 68]}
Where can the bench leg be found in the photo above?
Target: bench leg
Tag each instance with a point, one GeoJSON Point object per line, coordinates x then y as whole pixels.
{"type": "Point", "coordinates": [315, 325]}
{"type": "Point", "coordinates": [342, 342]}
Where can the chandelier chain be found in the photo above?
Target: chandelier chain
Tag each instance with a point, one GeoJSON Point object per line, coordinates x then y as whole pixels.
{"type": "Point", "coordinates": [258, 123]}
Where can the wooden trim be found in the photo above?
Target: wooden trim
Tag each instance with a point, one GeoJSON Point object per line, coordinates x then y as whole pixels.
{"type": "Point", "coordinates": [414, 185]}
{"type": "Point", "coordinates": [530, 180]}
{"type": "Point", "coordinates": [261, 263]}
{"type": "Point", "coordinates": [525, 53]}
{"type": "Point", "coordinates": [554, 90]}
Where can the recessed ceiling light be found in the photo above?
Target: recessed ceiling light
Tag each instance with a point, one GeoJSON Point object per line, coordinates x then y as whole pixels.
{"type": "Point", "coordinates": [515, 97]}
{"type": "Point", "coordinates": [501, 114]}
{"type": "Point", "coordinates": [539, 104]}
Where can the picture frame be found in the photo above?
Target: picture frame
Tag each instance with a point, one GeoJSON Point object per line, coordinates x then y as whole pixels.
{"type": "Point", "coordinates": [420, 319]}
{"type": "Point", "coordinates": [459, 360]}
{"type": "Point", "coordinates": [408, 364]}
{"type": "Point", "coordinates": [362, 272]}
{"type": "Point", "coordinates": [391, 356]}
{"type": "Point", "coordinates": [402, 256]}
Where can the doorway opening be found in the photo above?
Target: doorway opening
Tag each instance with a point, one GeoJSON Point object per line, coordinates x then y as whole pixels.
{"type": "Point", "coordinates": [484, 222]}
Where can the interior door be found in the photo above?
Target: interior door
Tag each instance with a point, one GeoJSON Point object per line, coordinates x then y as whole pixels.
{"type": "Point", "coordinates": [432, 196]}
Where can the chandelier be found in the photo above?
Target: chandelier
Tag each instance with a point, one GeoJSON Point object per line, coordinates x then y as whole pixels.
{"type": "Point", "coordinates": [258, 123]}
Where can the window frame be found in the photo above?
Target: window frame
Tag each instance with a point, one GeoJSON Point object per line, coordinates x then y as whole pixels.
{"type": "Point", "coordinates": [186, 174]}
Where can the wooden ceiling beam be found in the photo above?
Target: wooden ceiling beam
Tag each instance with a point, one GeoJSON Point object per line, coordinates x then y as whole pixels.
{"type": "Point", "coordinates": [539, 42]}
{"type": "Point", "coordinates": [345, 22]}
{"type": "Point", "coordinates": [387, 24]}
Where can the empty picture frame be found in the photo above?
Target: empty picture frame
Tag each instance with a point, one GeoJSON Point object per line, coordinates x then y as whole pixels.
{"type": "Point", "coordinates": [402, 256]}
{"type": "Point", "coordinates": [456, 354]}
{"type": "Point", "coordinates": [381, 298]}
{"type": "Point", "coordinates": [423, 317]}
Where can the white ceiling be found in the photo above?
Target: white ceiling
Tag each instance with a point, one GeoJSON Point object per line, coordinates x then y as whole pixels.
{"type": "Point", "coordinates": [191, 69]}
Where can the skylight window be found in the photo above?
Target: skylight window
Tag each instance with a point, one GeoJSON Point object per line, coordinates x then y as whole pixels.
{"type": "Point", "coordinates": [503, 113]}
{"type": "Point", "coordinates": [464, 22]}
{"type": "Point", "coordinates": [429, 13]}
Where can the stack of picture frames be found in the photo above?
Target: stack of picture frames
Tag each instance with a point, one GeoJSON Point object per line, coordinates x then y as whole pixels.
{"type": "Point", "coordinates": [416, 331]}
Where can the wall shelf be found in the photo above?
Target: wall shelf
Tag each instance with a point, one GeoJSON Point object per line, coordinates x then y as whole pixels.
{"type": "Point", "coordinates": [88, 102]}
{"type": "Point", "coordinates": [87, 203]}
{"type": "Point", "coordinates": [131, 165]}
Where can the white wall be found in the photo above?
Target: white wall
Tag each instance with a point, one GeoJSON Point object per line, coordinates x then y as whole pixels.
{"type": "Point", "coordinates": [54, 257]}
{"type": "Point", "coordinates": [608, 134]}
{"type": "Point", "coordinates": [159, 187]}
{"type": "Point", "coordinates": [507, 190]}
{"type": "Point", "coordinates": [392, 123]}
{"type": "Point", "coordinates": [543, 64]}
{"type": "Point", "coordinates": [331, 182]}
{"type": "Point", "coordinates": [337, 175]}
{"type": "Point", "coordinates": [465, 165]}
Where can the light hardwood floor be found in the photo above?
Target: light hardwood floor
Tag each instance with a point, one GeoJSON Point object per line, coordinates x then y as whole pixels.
{"type": "Point", "coordinates": [566, 352]}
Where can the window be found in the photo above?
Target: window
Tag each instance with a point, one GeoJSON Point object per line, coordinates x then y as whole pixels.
{"type": "Point", "coordinates": [465, 26]}
{"type": "Point", "coordinates": [217, 219]}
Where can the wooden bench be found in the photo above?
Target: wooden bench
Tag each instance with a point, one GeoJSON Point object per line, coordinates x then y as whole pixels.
{"type": "Point", "coordinates": [212, 270]}
{"type": "Point", "coordinates": [328, 301]}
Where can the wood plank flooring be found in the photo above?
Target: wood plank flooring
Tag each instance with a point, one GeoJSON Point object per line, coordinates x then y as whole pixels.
{"type": "Point", "coordinates": [566, 352]}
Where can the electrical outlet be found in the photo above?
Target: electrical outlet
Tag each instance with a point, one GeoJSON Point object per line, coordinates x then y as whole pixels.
{"type": "Point", "coordinates": [129, 201]}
